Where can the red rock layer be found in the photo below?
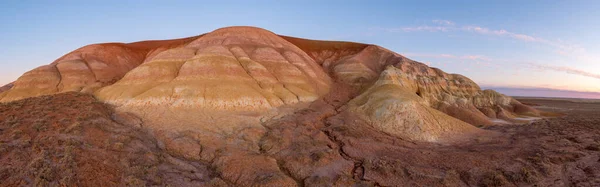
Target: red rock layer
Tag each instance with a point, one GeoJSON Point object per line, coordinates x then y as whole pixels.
{"type": "Point", "coordinates": [245, 75]}
{"type": "Point", "coordinates": [266, 110]}
{"type": "Point", "coordinates": [6, 87]}
{"type": "Point", "coordinates": [87, 68]}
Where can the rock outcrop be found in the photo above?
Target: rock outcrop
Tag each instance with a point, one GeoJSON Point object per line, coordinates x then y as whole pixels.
{"type": "Point", "coordinates": [87, 69]}
{"type": "Point", "coordinates": [391, 106]}
{"type": "Point", "coordinates": [230, 70]}
{"type": "Point", "coordinates": [72, 139]}
{"type": "Point", "coordinates": [259, 109]}
{"type": "Point", "coordinates": [237, 78]}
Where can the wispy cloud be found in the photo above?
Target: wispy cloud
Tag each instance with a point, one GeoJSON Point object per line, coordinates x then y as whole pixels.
{"type": "Point", "coordinates": [474, 29]}
{"type": "Point", "coordinates": [486, 61]}
{"type": "Point", "coordinates": [560, 47]}
{"type": "Point", "coordinates": [442, 22]}
{"type": "Point", "coordinates": [564, 69]}
{"type": "Point", "coordinates": [449, 56]}
{"type": "Point", "coordinates": [413, 29]}
{"type": "Point", "coordinates": [429, 55]}
{"type": "Point", "coordinates": [476, 57]}
{"type": "Point", "coordinates": [480, 60]}
{"type": "Point", "coordinates": [502, 32]}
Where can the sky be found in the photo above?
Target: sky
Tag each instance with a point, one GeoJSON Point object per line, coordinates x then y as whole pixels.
{"type": "Point", "coordinates": [553, 46]}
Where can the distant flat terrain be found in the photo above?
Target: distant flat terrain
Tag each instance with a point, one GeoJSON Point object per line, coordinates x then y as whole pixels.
{"type": "Point", "coordinates": [576, 100]}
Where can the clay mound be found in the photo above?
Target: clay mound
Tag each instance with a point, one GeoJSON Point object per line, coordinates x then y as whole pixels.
{"type": "Point", "coordinates": [391, 107]}
{"type": "Point", "coordinates": [86, 69]}
{"type": "Point", "coordinates": [237, 78]}
{"type": "Point", "coordinates": [241, 69]}
{"type": "Point", "coordinates": [242, 106]}
{"type": "Point", "coordinates": [360, 65]}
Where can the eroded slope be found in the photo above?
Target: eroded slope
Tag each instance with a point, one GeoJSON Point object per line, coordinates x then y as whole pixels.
{"type": "Point", "coordinates": [237, 78]}
{"type": "Point", "coordinates": [241, 106]}
{"type": "Point", "coordinates": [229, 70]}
{"type": "Point", "coordinates": [87, 68]}
{"type": "Point", "coordinates": [71, 139]}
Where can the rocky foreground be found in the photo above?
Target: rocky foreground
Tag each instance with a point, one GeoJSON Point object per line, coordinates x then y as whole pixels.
{"type": "Point", "coordinates": [242, 106]}
{"type": "Point", "coordinates": [73, 139]}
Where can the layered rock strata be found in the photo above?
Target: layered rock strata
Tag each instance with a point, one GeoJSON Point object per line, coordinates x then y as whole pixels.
{"type": "Point", "coordinates": [6, 87]}
{"type": "Point", "coordinates": [236, 78]}
{"type": "Point", "coordinates": [253, 106]}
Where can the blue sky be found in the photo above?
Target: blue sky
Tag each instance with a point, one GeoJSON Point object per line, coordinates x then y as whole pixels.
{"type": "Point", "coordinates": [515, 44]}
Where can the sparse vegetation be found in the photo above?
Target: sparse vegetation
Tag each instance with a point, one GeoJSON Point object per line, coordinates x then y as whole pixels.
{"type": "Point", "coordinates": [11, 120]}
{"type": "Point", "coordinates": [593, 147]}
{"type": "Point", "coordinates": [493, 179]}
{"type": "Point", "coordinates": [81, 145]}
{"type": "Point", "coordinates": [74, 128]}
{"type": "Point", "coordinates": [39, 126]}
{"type": "Point", "coordinates": [16, 134]}
{"type": "Point", "coordinates": [527, 175]}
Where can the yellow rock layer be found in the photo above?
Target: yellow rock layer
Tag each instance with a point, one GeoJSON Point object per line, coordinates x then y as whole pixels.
{"type": "Point", "coordinates": [226, 71]}
{"type": "Point", "coordinates": [390, 106]}
{"type": "Point", "coordinates": [235, 77]}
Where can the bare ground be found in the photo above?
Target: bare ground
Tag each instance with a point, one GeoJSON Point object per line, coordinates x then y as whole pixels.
{"type": "Point", "coordinates": [73, 140]}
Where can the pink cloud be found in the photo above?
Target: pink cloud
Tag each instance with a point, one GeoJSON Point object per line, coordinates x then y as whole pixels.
{"type": "Point", "coordinates": [423, 28]}
{"type": "Point", "coordinates": [523, 37]}
{"type": "Point", "coordinates": [569, 70]}
{"type": "Point", "coordinates": [479, 60]}
{"type": "Point", "coordinates": [475, 29]}
{"type": "Point", "coordinates": [562, 48]}
{"type": "Point", "coordinates": [442, 22]}
{"type": "Point", "coordinates": [450, 56]}
{"type": "Point", "coordinates": [446, 56]}
{"type": "Point", "coordinates": [502, 32]}
{"type": "Point", "coordinates": [476, 57]}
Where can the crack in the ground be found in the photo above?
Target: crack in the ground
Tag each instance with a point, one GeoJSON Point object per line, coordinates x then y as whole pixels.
{"type": "Point", "coordinates": [287, 172]}
{"type": "Point", "coordinates": [358, 171]}
{"type": "Point", "coordinates": [279, 162]}
{"type": "Point", "coordinates": [58, 85]}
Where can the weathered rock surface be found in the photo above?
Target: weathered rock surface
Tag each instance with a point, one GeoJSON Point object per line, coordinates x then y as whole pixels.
{"type": "Point", "coordinates": [87, 69]}
{"type": "Point", "coordinates": [392, 106]}
{"type": "Point", "coordinates": [70, 139]}
{"type": "Point", "coordinates": [6, 87]}
{"type": "Point", "coordinates": [233, 79]}
{"type": "Point", "coordinates": [242, 106]}
{"type": "Point", "coordinates": [360, 65]}
{"type": "Point", "coordinates": [230, 70]}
